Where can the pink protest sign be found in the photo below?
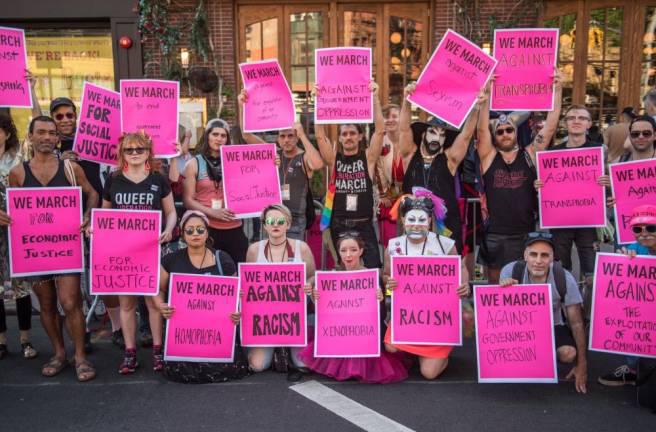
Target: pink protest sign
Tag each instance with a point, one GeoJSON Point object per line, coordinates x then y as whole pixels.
{"type": "Point", "coordinates": [270, 105]}
{"type": "Point", "coordinates": [425, 305]}
{"type": "Point", "coordinates": [200, 329]}
{"type": "Point", "coordinates": [125, 252]}
{"type": "Point", "coordinates": [152, 106]}
{"type": "Point", "coordinates": [623, 318]}
{"type": "Point", "coordinates": [99, 126]}
{"type": "Point", "coordinates": [44, 236]}
{"type": "Point", "coordinates": [273, 304]}
{"type": "Point", "coordinates": [570, 196]}
{"type": "Point", "coordinates": [347, 317]}
{"type": "Point", "coordinates": [515, 334]}
{"type": "Point", "coordinates": [527, 59]}
{"type": "Point", "coordinates": [250, 178]}
{"type": "Point", "coordinates": [449, 84]}
{"type": "Point", "coordinates": [633, 184]}
{"type": "Point", "coordinates": [342, 76]}
{"type": "Point", "coordinates": [15, 90]}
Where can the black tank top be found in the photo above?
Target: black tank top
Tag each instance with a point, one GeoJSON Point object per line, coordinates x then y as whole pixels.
{"type": "Point", "coordinates": [58, 180]}
{"type": "Point", "coordinates": [511, 197]}
{"type": "Point", "coordinates": [438, 179]}
{"type": "Point", "coordinates": [352, 178]}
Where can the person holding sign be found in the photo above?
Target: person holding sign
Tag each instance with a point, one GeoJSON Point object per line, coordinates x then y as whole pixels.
{"type": "Point", "coordinates": [508, 173]}
{"type": "Point", "coordinates": [277, 248]}
{"type": "Point", "coordinates": [136, 187]}
{"type": "Point", "coordinates": [642, 130]}
{"type": "Point", "coordinates": [387, 368]}
{"type": "Point", "coordinates": [42, 171]}
{"type": "Point", "coordinates": [353, 169]}
{"type": "Point", "coordinates": [418, 213]}
{"type": "Point", "coordinates": [538, 267]}
{"type": "Point", "coordinates": [203, 191]}
{"type": "Point", "coordinates": [198, 258]}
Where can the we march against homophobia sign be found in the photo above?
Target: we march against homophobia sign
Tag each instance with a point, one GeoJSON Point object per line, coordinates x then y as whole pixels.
{"type": "Point", "coordinates": [527, 62]}
{"type": "Point", "coordinates": [200, 329]}
{"type": "Point", "coordinates": [449, 84]}
{"type": "Point", "coordinates": [342, 77]}
{"type": "Point", "coordinates": [99, 125]}
{"type": "Point", "coordinates": [44, 236]}
{"type": "Point", "coordinates": [425, 305]}
{"type": "Point", "coordinates": [273, 304]}
{"type": "Point", "coordinates": [125, 252]}
{"type": "Point", "coordinates": [15, 89]}
{"type": "Point", "coordinates": [623, 318]}
{"type": "Point", "coordinates": [152, 106]}
{"type": "Point", "coordinates": [250, 178]}
{"type": "Point", "coordinates": [515, 334]}
{"type": "Point", "coordinates": [347, 314]}
{"type": "Point", "coordinates": [270, 105]}
{"type": "Point", "coordinates": [570, 196]}
{"type": "Point", "coordinates": [633, 184]}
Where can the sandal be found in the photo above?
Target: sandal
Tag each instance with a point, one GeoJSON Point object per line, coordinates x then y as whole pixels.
{"type": "Point", "coordinates": [28, 351]}
{"type": "Point", "coordinates": [85, 371]}
{"type": "Point", "coordinates": [53, 367]}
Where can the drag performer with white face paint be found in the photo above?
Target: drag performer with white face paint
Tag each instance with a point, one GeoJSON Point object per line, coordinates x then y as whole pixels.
{"type": "Point", "coordinates": [419, 211]}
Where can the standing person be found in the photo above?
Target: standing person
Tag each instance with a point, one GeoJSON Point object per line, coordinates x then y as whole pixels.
{"type": "Point", "coordinates": [203, 191]}
{"type": "Point", "coordinates": [539, 268]}
{"type": "Point", "coordinates": [387, 368]}
{"type": "Point", "coordinates": [200, 259]}
{"type": "Point", "coordinates": [509, 204]}
{"type": "Point", "coordinates": [10, 157]}
{"type": "Point", "coordinates": [419, 240]}
{"type": "Point", "coordinates": [46, 170]}
{"type": "Point", "coordinates": [642, 136]}
{"type": "Point", "coordinates": [136, 187]}
{"type": "Point", "coordinates": [278, 248]}
{"type": "Point", "coordinates": [437, 153]}
{"type": "Point", "coordinates": [615, 135]}
{"type": "Point", "coordinates": [352, 171]}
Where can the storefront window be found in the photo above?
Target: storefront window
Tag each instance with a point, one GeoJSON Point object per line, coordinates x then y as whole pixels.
{"type": "Point", "coordinates": [262, 40]}
{"type": "Point", "coordinates": [648, 76]}
{"type": "Point", "coordinates": [566, 52]}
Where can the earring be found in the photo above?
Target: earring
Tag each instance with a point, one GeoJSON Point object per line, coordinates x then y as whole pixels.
{"type": "Point", "coordinates": [147, 166]}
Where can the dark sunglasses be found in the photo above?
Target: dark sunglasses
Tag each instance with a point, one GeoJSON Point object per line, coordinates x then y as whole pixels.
{"type": "Point", "coordinates": [134, 150]}
{"type": "Point", "coordinates": [199, 230]}
{"type": "Point", "coordinates": [61, 116]}
{"type": "Point", "coordinates": [540, 235]}
{"type": "Point", "coordinates": [275, 221]}
{"type": "Point", "coordinates": [508, 130]}
{"type": "Point", "coordinates": [651, 229]}
{"type": "Point", "coordinates": [644, 133]}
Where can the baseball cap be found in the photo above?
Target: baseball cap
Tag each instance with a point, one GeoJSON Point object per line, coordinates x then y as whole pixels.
{"type": "Point", "coordinates": [643, 215]}
{"type": "Point", "coordinates": [61, 101]}
{"type": "Point", "coordinates": [539, 236]}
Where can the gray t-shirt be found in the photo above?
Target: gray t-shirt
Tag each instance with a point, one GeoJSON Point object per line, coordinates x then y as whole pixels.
{"type": "Point", "coordinates": [572, 295]}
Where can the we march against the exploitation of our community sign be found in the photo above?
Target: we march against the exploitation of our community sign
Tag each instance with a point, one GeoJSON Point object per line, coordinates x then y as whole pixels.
{"type": "Point", "coordinates": [633, 184]}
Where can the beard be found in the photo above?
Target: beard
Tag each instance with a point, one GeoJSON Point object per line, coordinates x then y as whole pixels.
{"type": "Point", "coordinates": [432, 147]}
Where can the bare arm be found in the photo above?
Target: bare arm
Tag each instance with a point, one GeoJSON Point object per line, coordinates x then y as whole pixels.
{"type": "Point", "coordinates": [326, 149]}
{"type": "Point", "coordinates": [251, 253]}
{"type": "Point", "coordinates": [171, 217]}
{"type": "Point", "coordinates": [36, 108]}
{"type": "Point", "coordinates": [457, 152]}
{"type": "Point", "coordinates": [308, 258]}
{"type": "Point", "coordinates": [484, 146]}
{"type": "Point", "coordinates": [376, 144]}
{"type": "Point", "coordinates": [575, 320]}
{"type": "Point", "coordinates": [248, 137]}
{"type": "Point", "coordinates": [542, 139]}
{"type": "Point", "coordinates": [407, 144]}
{"type": "Point", "coordinates": [312, 157]}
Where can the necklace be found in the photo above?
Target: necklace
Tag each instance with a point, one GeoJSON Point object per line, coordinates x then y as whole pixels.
{"type": "Point", "coordinates": [423, 247]}
{"type": "Point", "coordinates": [201, 262]}
{"type": "Point", "coordinates": [269, 252]}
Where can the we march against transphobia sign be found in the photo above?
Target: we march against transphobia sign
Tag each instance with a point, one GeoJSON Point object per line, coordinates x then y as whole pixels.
{"type": "Point", "coordinates": [125, 252]}
{"type": "Point", "coordinates": [200, 329]}
{"type": "Point", "coordinates": [515, 334]}
{"type": "Point", "coordinates": [524, 74]}
{"type": "Point", "coordinates": [15, 89]}
{"type": "Point", "coordinates": [342, 77]}
{"type": "Point", "coordinates": [570, 196]}
{"type": "Point", "coordinates": [633, 184]}
{"type": "Point", "coordinates": [425, 305]}
{"type": "Point", "coordinates": [151, 106]}
{"type": "Point", "coordinates": [347, 314]}
{"type": "Point", "coordinates": [623, 318]}
{"type": "Point", "coordinates": [99, 125]}
{"type": "Point", "coordinates": [250, 178]}
{"type": "Point", "coordinates": [449, 84]}
{"type": "Point", "coordinates": [273, 304]}
{"type": "Point", "coordinates": [270, 105]}
{"type": "Point", "coordinates": [44, 236]}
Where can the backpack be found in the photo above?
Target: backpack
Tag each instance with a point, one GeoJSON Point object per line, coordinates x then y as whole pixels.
{"type": "Point", "coordinates": [646, 385]}
{"type": "Point", "coordinates": [558, 272]}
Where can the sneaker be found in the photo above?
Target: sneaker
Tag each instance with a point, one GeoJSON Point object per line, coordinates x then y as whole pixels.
{"type": "Point", "coordinates": [623, 375]}
{"type": "Point", "coordinates": [158, 358]}
{"type": "Point", "coordinates": [130, 363]}
{"type": "Point", "coordinates": [117, 339]}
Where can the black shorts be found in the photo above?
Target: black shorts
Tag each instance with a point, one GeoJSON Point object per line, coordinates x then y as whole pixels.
{"type": "Point", "coordinates": [497, 250]}
{"type": "Point", "coordinates": [563, 336]}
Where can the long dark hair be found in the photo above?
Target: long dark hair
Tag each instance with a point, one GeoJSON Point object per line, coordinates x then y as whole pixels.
{"type": "Point", "coordinates": [8, 126]}
{"type": "Point", "coordinates": [204, 148]}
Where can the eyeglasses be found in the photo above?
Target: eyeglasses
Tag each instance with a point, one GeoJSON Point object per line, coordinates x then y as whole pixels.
{"type": "Point", "coordinates": [275, 221]}
{"type": "Point", "coordinates": [199, 230]}
{"type": "Point", "coordinates": [644, 133]}
{"type": "Point", "coordinates": [68, 115]}
{"type": "Point", "coordinates": [540, 235]}
{"type": "Point", "coordinates": [651, 229]}
{"type": "Point", "coordinates": [508, 130]}
{"type": "Point", "coordinates": [579, 118]}
{"type": "Point", "coordinates": [134, 150]}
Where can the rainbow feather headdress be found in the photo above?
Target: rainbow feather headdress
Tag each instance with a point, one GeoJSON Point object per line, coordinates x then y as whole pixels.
{"type": "Point", "coordinates": [418, 195]}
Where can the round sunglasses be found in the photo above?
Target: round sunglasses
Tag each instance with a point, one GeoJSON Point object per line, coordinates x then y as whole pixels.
{"type": "Point", "coordinates": [275, 221]}
{"type": "Point", "coordinates": [651, 229]}
{"type": "Point", "coordinates": [199, 230]}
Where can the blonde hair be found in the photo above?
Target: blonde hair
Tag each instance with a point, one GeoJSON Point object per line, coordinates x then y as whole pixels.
{"type": "Point", "coordinates": [141, 138]}
{"type": "Point", "coordinates": [278, 207]}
